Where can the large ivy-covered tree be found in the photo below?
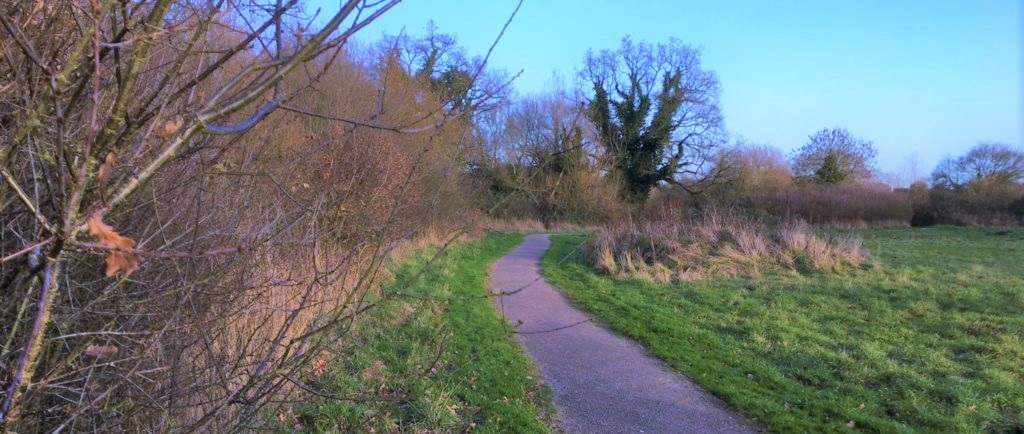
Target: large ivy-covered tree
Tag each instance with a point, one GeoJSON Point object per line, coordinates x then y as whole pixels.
{"type": "Point", "coordinates": [657, 115]}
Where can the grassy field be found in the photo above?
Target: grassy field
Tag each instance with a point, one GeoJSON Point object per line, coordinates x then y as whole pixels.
{"type": "Point", "coordinates": [433, 357]}
{"type": "Point", "coordinates": [928, 339]}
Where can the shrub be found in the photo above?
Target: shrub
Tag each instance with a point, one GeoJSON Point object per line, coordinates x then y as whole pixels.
{"type": "Point", "coordinates": [1017, 208]}
{"type": "Point", "coordinates": [849, 205]}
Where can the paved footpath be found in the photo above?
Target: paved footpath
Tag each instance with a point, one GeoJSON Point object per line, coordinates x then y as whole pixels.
{"type": "Point", "coordinates": [602, 383]}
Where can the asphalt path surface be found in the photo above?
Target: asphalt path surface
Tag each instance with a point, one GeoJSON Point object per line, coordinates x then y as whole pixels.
{"type": "Point", "coordinates": [602, 383]}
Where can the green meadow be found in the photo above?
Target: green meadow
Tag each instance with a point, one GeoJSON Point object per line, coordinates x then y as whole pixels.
{"type": "Point", "coordinates": [928, 337]}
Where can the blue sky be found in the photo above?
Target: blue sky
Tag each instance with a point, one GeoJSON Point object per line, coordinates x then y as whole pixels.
{"type": "Point", "coordinates": [924, 78]}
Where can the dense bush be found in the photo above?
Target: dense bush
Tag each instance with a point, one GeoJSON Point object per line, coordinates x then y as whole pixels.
{"type": "Point", "coordinates": [198, 217]}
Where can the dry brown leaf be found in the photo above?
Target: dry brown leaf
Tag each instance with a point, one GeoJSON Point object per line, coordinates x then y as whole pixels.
{"type": "Point", "coordinates": [100, 350]}
{"type": "Point", "coordinates": [319, 367]}
{"type": "Point", "coordinates": [117, 261]}
{"type": "Point", "coordinates": [105, 169]}
{"type": "Point", "coordinates": [170, 127]}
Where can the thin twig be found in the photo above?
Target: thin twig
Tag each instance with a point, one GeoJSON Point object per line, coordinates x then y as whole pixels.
{"type": "Point", "coordinates": [27, 249]}
{"type": "Point", "coordinates": [28, 202]}
{"type": "Point", "coordinates": [156, 254]}
{"type": "Point", "coordinates": [552, 330]}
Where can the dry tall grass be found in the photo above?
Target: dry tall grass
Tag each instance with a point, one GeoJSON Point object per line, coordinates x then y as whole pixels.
{"type": "Point", "coordinates": [716, 244]}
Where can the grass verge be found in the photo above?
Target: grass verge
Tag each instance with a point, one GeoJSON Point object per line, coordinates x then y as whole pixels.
{"type": "Point", "coordinates": [932, 340]}
{"type": "Point", "coordinates": [433, 356]}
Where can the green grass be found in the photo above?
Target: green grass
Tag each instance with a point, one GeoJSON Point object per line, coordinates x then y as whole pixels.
{"type": "Point", "coordinates": [929, 339]}
{"type": "Point", "coordinates": [482, 381]}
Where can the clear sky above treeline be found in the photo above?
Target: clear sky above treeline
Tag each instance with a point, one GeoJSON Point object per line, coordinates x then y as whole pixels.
{"type": "Point", "coordinates": [924, 78]}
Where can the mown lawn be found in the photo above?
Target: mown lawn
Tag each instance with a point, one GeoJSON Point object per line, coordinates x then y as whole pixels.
{"type": "Point", "coordinates": [433, 356]}
{"type": "Point", "coordinates": [929, 339]}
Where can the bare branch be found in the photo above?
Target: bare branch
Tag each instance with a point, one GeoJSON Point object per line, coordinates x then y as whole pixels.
{"type": "Point", "coordinates": [28, 202]}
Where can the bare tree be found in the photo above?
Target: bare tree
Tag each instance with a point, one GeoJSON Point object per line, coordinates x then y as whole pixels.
{"type": "Point", "coordinates": [910, 171]}
{"type": "Point", "coordinates": [991, 162]}
{"type": "Point", "coordinates": [833, 156]}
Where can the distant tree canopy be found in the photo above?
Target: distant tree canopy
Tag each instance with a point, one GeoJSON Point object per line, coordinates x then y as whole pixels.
{"type": "Point", "coordinates": [543, 162]}
{"type": "Point", "coordinates": [833, 156]}
{"type": "Point", "coordinates": [547, 133]}
{"type": "Point", "coordinates": [656, 113]}
{"type": "Point", "coordinates": [988, 162]}
{"type": "Point", "coordinates": [462, 83]}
